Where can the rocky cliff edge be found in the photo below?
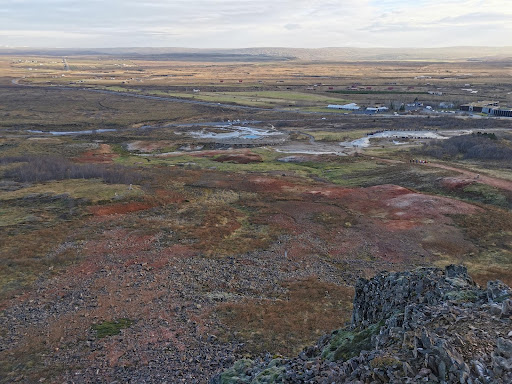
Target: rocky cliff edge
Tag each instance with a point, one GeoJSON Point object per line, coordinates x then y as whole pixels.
{"type": "Point", "coordinates": [428, 325]}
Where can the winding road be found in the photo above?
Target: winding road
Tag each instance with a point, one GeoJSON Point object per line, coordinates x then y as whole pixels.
{"type": "Point", "coordinates": [159, 98]}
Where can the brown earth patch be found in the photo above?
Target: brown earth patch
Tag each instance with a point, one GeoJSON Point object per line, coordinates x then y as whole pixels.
{"type": "Point", "coordinates": [211, 153]}
{"type": "Point", "coordinates": [240, 158]}
{"type": "Point", "coordinates": [149, 146]}
{"type": "Point", "coordinates": [401, 225]}
{"type": "Point", "coordinates": [452, 183]}
{"type": "Point", "coordinates": [102, 155]}
{"type": "Point", "coordinates": [259, 183]}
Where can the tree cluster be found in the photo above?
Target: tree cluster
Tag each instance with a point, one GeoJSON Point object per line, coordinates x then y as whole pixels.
{"type": "Point", "coordinates": [482, 146]}
{"type": "Point", "coordinates": [47, 168]}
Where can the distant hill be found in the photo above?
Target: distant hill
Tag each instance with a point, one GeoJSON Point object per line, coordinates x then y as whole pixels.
{"type": "Point", "coordinates": [377, 54]}
{"type": "Point", "coordinates": [276, 53]}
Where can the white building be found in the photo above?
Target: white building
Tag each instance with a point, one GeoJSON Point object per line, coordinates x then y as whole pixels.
{"type": "Point", "coordinates": [351, 106]}
{"type": "Point", "coordinates": [377, 109]}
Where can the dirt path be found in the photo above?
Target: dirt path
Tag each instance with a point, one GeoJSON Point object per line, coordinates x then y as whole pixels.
{"type": "Point", "coordinates": [478, 177]}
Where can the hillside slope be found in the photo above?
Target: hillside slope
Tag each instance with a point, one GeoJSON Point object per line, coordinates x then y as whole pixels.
{"type": "Point", "coordinates": [427, 325]}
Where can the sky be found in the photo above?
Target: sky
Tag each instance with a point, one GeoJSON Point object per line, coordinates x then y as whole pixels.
{"type": "Point", "coordinates": [250, 23]}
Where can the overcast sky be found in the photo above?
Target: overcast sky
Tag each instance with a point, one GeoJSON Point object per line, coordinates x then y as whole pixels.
{"type": "Point", "coordinates": [254, 23]}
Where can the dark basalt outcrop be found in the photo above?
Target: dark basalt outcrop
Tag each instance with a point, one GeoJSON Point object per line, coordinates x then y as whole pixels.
{"type": "Point", "coordinates": [428, 325]}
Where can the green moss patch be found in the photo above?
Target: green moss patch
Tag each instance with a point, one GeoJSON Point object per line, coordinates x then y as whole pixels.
{"type": "Point", "coordinates": [237, 373]}
{"type": "Point", "coordinates": [462, 296]}
{"type": "Point", "coordinates": [346, 344]}
{"type": "Point", "coordinates": [111, 328]}
{"type": "Point", "coordinates": [274, 373]}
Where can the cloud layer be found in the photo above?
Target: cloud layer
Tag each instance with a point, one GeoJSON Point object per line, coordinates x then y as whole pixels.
{"type": "Point", "coordinates": [249, 23]}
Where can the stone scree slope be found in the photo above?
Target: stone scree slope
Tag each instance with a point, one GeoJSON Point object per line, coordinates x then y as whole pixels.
{"type": "Point", "coordinates": [428, 325]}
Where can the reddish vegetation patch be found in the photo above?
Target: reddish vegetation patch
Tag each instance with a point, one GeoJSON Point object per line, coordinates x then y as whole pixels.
{"type": "Point", "coordinates": [364, 225]}
{"type": "Point", "coordinates": [240, 158]}
{"type": "Point", "coordinates": [102, 155]}
{"type": "Point", "coordinates": [419, 206]}
{"type": "Point", "coordinates": [121, 208]}
{"type": "Point", "coordinates": [168, 196]}
{"type": "Point", "coordinates": [270, 184]}
{"type": "Point", "coordinates": [394, 202]}
{"type": "Point", "coordinates": [179, 250]}
{"type": "Point", "coordinates": [217, 226]}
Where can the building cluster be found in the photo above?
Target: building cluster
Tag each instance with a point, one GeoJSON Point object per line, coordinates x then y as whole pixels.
{"type": "Point", "coordinates": [491, 108]}
{"type": "Point", "coordinates": [355, 107]}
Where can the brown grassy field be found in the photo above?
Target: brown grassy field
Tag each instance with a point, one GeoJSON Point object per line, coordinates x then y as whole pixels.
{"type": "Point", "coordinates": [405, 80]}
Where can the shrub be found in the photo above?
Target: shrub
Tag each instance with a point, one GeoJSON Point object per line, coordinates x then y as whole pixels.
{"type": "Point", "coordinates": [475, 146]}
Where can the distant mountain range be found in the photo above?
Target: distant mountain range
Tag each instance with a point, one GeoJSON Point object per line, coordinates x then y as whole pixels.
{"type": "Point", "coordinates": [275, 53]}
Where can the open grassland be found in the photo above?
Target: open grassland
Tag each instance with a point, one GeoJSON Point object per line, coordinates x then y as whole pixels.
{"type": "Point", "coordinates": [142, 246]}
{"type": "Point", "coordinates": [264, 99]}
{"type": "Point", "coordinates": [60, 110]}
{"type": "Point", "coordinates": [92, 190]}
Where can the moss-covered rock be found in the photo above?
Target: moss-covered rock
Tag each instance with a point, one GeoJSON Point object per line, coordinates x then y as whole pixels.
{"type": "Point", "coordinates": [274, 373]}
{"type": "Point", "coordinates": [463, 296]}
{"type": "Point", "coordinates": [345, 344]}
{"type": "Point", "coordinates": [237, 374]}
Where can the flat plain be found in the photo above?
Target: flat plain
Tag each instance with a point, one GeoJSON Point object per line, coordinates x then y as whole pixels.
{"type": "Point", "coordinates": [160, 219]}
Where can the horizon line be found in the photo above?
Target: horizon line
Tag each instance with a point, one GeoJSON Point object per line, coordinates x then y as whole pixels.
{"type": "Point", "coordinates": [258, 47]}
